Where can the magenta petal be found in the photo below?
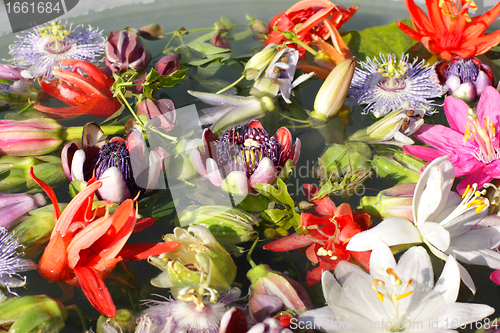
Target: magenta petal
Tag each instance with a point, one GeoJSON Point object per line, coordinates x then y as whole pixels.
{"type": "Point", "coordinates": [425, 153]}
{"type": "Point", "coordinates": [495, 276]}
{"type": "Point", "coordinates": [456, 112]}
{"type": "Point", "coordinates": [479, 177]}
{"type": "Point", "coordinates": [493, 169]}
{"type": "Point", "coordinates": [440, 137]}
{"type": "Point", "coordinates": [489, 106]}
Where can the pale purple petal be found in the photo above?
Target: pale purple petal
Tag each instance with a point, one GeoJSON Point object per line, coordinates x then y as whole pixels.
{"type": "Point", "coordinates": [265, 172]}
{"type": "Point", "coordinates": [113, 187]}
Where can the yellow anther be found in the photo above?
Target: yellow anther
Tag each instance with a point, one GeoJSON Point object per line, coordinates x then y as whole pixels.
{"type": "Point", "coordinates": [390, 271]}
{"type": "Point", "coordinates": [467, 135]}
{"type": "Point", "coordinates": [377, 282]}
{"type": "Point", "coordinates": [475, 202]}
{"type": "Point", "coordinates": [334, 258]}
{"type": "Point", "coordinates": [398, 282]}
{"type": "Point", "coordinates": [329, 252]}
{"type": "Point", "coordinates": [467, 189]}
{"type": "Point", "coordinates": [404, 295]}
{"type": "Point", "coordinates": [410, 281]}
{"type": "Point", "coordinates": [380, 296]}
{"type": "Point", "coordinates": [480, 208]}
{"type": "Point", "coordinates": [374, 288]}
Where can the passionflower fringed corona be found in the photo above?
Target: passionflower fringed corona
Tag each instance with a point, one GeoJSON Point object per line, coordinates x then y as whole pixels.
{"type": "Point", "coordinates": [400, 295]}
{"type": "Point", "coordinates": [386, 83]}
{"type": "Point", "coordinates": [11, 264]}
{"type": "Point", "coordinates": [43, 49]}
{"type": "Point", "coordinates": [449, 31]}
{"type": "Point", "coordinates": [472, 141]}
{"type": "Point", "coordinates": [244, 156]}
{"type": "Point", "coordinates": [87, 243]}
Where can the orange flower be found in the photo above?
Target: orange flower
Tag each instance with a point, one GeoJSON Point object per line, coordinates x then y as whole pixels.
{"type": "Point", "coordinates": [87, 243]}
{"type": "Point", "coordinates": [449, 31]}
{"type": "Point", "coordinates": [309, 15]}
{"type": "Point", "coordinates": [85, 94]}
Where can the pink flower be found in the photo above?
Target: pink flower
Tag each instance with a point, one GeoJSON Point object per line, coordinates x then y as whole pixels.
{"type": "Point", "coordinates": [471, 142]}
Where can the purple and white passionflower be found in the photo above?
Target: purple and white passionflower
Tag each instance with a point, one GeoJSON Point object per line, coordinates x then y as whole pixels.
{"type": "Point", "coordinates": [244, 156]}
{"type": "Point", "coordinates": [123, 166]}
{"type": "Point", "coordinates": [41, 50]}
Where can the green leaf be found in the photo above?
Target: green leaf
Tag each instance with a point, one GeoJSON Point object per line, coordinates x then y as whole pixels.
{"type": "Point", "coordinates": [208, 49]}
{"type": "Point", "coordinates": [204, 38]}
{"type": "Point", "coordinates": [242, 35]}
{"type": "Point", "coordinates": [386, 39]}
{"type": "Point", "coordinates": [172, 79]}
{"type": "Point", "coordinates": [208, 71]}
{"type": "Point", "coordinates": [278, 193]}
{"type": "Point", "coordinates": [225, 20]}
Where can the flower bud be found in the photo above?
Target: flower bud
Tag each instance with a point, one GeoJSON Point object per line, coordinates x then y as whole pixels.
{"type": "Point", "coordinates": [29, 137]}
{"type": "Point", "coordinates": [333, 92]}
{"type": "Point", "coordinates": [151, 31]}
{"type": "Point", "coordinates": [14, 206]}
{"type": "Point", "coordinates": [466, 92]}
{"type": "Point", "coordinates": [228, 225]}
{"type": "Point", "coordinates": [168, 64]}
{"type": "Point", "coordinates": [259, 62]}
{"type": "Point", "coordinates": [123, 321]}
{"type": "Point", "coordinates": [15, 177]}
{"type": "Point", "coordinates": [392, 172]}
{"type": "Point", "coordinates": [259, 26]}
{"type": "Point", "coordinates": [393, 202]}
{"type": "Point", "coordinates": [220, 41]}
{"type": "Point", "coordinates": [271, 292]}
{"type": "Point", "coordinates": [199, 253]}
{"type": "Point", "coordinates": [124, 50]}
{"type": "Point", "coordinates": [340, 159]}
{"type": "Point", "coordinates": [20, 92]}
{"type": "Point", "coordinates": [161, 111]}
{"type": "Point", "coordinates": [10, 73]}
{"type": "Point", "coordinates": [33, 314]}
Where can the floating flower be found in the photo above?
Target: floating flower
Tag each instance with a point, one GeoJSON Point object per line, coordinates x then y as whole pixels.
{"type": "Point", "coordinates": [394, 128]}
{"type": "Point", "coordinates": [200, 314]}
{"type": "Point", "coordinates": [472, 141]}
{"type": "Point", "coordinates": [305, 19]}
{"type": "Point", "coordinates": [446, 222]}
{"type": "Point", "coordinates": [385, 84]}
{"type": "Point", "coordinates": [87, 242]}
{"type": "Point", "coordinates": [89, 94]}
{"type": "Point", "coordinates": [449, 32]}
{"type": "Point", "coordinates": [44, 48]}
{"type": "Point", "coordinates": [244, 156]}
{"type": "Point", "coordinates": [124, 166]}
{"type": "Point", "coordinates": [329, 229]}
{"type": "Point", "coordinates": [10, 262]}
{"type": "Point", "coordinates": [394, 297]}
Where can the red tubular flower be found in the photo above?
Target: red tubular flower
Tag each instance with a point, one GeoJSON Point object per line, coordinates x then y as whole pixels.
{"type": "Point", "coordinates": [87, 243]}
{"type": "Point", "coordinates": [310, 14]}
{"type": "Point", "coordinates": [329, 230]}
{"type": "Point", "coordinates": [449, 31]}
{"type": "Point", "coordinates": [85, 94]}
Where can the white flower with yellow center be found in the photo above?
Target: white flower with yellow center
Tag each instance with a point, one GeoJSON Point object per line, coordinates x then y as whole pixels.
{"type": "Point", "coordinates": [394, 297]}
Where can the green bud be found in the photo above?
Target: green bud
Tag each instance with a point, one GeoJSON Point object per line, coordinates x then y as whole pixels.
{"type": "Point", "coordinates": [259, 62]}
{"type": "Point", "coordinates": [392, 172]}
{"type": "Point", "coordinates": [228, 225]}
{"type": "Point", "coordinates": [394, 202]}
{"type": "Point", "coordinates": [340, 159]}
{"type": "Point", "coordinates": [123, 321]}
{"type": "Point", "coordinates": [333, 92]}
{"type": "Point", "coordinates": [409, 161]}
{"type": "Point", "coordinates": [382, 130]}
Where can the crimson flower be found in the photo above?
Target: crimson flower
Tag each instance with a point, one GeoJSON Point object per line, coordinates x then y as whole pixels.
{"type": "Point", "coordinates": [87, 243]}
{"type": "Point", "coordinates": [449, 32]}
{"type": "Point", "coordinates": [89, 94]}
{"type": "Point", "coordinates": [305, 18]}
{"type": "Point", "coordinates": [329, 229]}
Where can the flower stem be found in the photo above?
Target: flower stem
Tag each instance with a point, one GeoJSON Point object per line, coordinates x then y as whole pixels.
{"type": "Point", "coordinates": [80, 314]}
{"type": "Point", "coordinates": [249, 254]}
{"type": "Point", "coordinates": [71, 133]}
{"type": "Point", "coordinates": [231, 85]}
{"type": "Point", "coordinates": [305, 46]}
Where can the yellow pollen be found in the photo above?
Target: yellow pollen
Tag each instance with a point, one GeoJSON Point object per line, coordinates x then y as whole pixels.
{"type": "Point", "coordinates": [380, 296]}
{"type": "Point", "coordinates": [377, 282]}
{"type": "Point", "coordinates": [404, 295]}
{"type": "Point", "coordinates": [475, 202]}
{"type": "Point", "coordinates": [480, 208]}
{"type": "Point", "coordinates": [409, 282]}
{"type": "Point", "coordinates": [390, 271]}
{"type": "Point", "coordinates": [467, 189]}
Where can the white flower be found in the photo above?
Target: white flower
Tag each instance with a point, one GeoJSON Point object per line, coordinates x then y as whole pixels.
{"type": "Point", "coordinates": [394, 297]}
{"type": "Point", "coordinates": [447, 223]}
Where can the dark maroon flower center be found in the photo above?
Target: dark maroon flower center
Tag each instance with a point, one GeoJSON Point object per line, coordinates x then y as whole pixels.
{"type": "Point", "coordinates": [115, 154]}
{"type": "Point", "coordinates": [242, 148]}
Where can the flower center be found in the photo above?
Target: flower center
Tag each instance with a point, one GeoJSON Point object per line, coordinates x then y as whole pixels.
{"type": "Point", "coordinates": [465, 69]}
{"type": "Point", "coordinates": [242, 148]}
{"type": "Point", "coordinates": [56, 33]}
{"type": "Point", "coordinates": [484, 135]}
{"type": "Point", "coordinates": [115, 154]}
{"type": "Point", "coordinates": [394, 292]}
{"type": "Point", "coordinates": [454, 8]}
{"type": "Point", "coordinates": [471, 199]}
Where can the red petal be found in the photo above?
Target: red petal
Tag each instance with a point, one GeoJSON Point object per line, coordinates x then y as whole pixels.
{"type": "Point", "coordinates": [101, 79]}
{"type": "Point", "coordinates": [143, 224]}
{"type": "Point", "coordinates": [255, 124]}
{"type": "Point", "coordinates": [96, 291]}
{"type": "Point", "coordinates": [363, 258]}
{"type": "Point", "coordinates": [140, 251]}
{"type": "Point", "coordinates": [288, 243]}
{"type": "Point", "coordinates": [50, 193]}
